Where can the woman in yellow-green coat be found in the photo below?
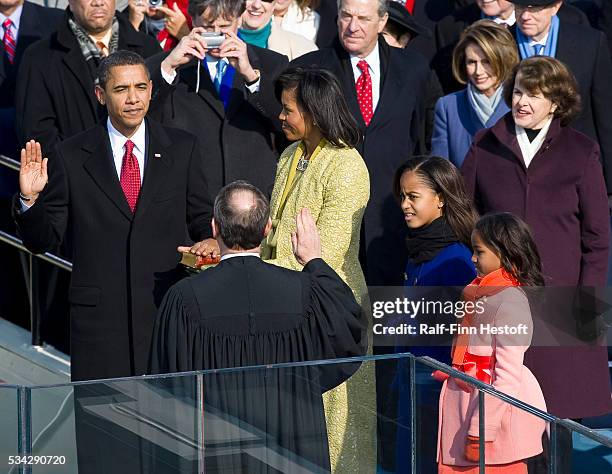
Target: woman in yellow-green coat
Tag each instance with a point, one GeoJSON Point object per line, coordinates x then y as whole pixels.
{"type": "Point", "coordinates": [323, 172]}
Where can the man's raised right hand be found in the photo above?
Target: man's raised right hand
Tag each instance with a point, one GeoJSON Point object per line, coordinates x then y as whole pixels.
{"type": "Point", "coordinates": [33, 175]}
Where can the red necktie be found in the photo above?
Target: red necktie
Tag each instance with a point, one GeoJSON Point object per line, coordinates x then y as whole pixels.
{"type": "Point", "coordinates": [410, 6]}
{"type": "Point", "coordinates": [130, 175]}
{"type": "Point", "coordinates": [9, 40]}
{"type": "Point", "coordinates": [364, 92]}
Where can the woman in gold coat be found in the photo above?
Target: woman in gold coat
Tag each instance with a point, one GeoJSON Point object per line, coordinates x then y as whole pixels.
{"type": "Point", "coordinates": [323, 172]}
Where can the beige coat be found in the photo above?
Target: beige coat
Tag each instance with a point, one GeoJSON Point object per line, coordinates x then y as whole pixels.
{"type": "Point", "coordinates": [290, 44]}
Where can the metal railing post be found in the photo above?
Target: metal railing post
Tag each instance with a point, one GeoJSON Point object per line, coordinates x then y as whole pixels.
{"type": "Point", "coordinates": [413, 415]}
{"type": "Point", "coordinates": [552, 465]}
{"type": "Point", "coordinates": [34, 296]}
{"type": "Point", "coordinates": [24, 425]}
{"type": "Point", "coordinates": [481, 432]}
{"type": "Point", "coordinates": [200, 421]}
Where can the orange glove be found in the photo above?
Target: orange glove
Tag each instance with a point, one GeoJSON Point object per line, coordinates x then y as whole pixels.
{"type": "Point", "coordinates": [472, 452]}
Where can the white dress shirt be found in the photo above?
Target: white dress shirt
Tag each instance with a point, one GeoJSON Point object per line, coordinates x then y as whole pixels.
{"type": "Point", "coordinates": [511, 20]}
{"type": "Point", "coordinates": [373, 60]}
{"type": "Point", "coordinates": [117, 141]}
{"type": "Point", "coordinates": [533, 42]}
{"type": "Point", "coordinates": [15, 17]}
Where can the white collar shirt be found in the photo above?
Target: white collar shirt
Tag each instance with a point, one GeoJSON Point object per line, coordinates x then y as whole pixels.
{"type": "Point", "coordinates": [227, 256]}
{"type": "Point", "coordinates": [15, 17]}
{"type": "Point", "coordinates": [532, 42]}
{"type": "Point", "coordinates": [117, 141]}
{"type": "Point", "coordinates": [511, 20]}
{"type": "Point", "coordinates": [373, 60]}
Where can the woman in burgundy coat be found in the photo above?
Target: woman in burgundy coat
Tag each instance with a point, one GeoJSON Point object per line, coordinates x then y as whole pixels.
{"type": "Point", "coordinates": [533, 165]}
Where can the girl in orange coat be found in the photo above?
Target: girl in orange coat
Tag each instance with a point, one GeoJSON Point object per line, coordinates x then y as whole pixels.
{"type": "Point", "coordinates": [506, 259]}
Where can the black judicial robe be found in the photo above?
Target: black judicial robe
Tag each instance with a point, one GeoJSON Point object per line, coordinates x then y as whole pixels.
{"type": "Point", "coordinates": [247, 312]}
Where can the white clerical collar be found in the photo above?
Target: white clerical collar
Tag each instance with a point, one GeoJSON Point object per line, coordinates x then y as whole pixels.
{"type": "Point", "coordinates": [373, 60]}
{"type": "Point", "coordinates": [15, 17]}
{"type": "Point", "coordinates": [118, 139]}
{"type": "Point", "coordinates": [239, 254]}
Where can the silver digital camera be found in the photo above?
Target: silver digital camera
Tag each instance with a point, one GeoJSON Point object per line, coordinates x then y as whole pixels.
{"type": "Point", "coordinates": [213, 40]}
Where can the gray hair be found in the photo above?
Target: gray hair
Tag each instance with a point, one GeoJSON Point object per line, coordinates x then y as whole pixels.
{"type": "Point", "coordinates": [241, 229]}
{"type": "Point", "coordinates": [218, 8]}
{"type": "Point", "coordinates": [382, 7]}
{"type": "Point", "coordinates": [119, 58]}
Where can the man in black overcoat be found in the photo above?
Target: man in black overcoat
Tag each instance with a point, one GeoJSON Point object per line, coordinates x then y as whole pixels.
{"type": "Point", "coordinates": [224, 95]}
{"type": "Point", "coordinates": [55, 86]}
{"type": "Point", "coordinates": [125, 221]}
{"type": "Point", "coordinates": [396, 130]}
{"type": "Point", "coordinates": [29, 23]}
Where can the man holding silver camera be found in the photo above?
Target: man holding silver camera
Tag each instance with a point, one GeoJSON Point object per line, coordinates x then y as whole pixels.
{"type": "Point", "coordinates": [221, 90]}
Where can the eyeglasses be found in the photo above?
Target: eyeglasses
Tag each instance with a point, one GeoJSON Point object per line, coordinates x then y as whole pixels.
{"type": "Point", "coordinates": [264, 1]}
{"type": "Point", "coordinates": [530, 8]}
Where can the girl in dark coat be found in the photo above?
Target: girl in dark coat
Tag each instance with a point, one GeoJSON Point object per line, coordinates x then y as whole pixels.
{"type": "Point", "coordinates": [440, 219]}
{"type": "Point", "coordinates": [533, 165]}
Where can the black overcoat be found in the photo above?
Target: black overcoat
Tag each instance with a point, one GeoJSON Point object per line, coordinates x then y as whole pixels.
{"type": "Point", "coordinates": [241, 142]}
{"type": "Point", "coordinates": [395, 132]}
{"type": "Point", "coordinates": [122, 262]}
{"type": "Point", "coordinates": [55, 96]}
{"type": "Point", "coordinates": [36, 22]}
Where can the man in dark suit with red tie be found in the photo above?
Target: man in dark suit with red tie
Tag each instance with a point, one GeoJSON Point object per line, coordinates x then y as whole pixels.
{"type": "Point", "coordinates": [124, 192]}
{"type": "Point", "coordinates": [22, 24]}
{"type": "Point", "coordinates": [386, 90]}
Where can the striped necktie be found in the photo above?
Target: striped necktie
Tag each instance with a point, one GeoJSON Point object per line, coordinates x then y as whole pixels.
{"type": "Point", "coordinates": [221, 67]}
{"type": "Point", "coordinates": [9, 40]}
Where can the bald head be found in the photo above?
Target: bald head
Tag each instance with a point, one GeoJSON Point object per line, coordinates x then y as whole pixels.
{"type": "Point", "coordinates": [241, 216]}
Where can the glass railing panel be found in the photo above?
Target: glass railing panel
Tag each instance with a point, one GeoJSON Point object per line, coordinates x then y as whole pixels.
{"type": "Point", "coordinates": [9, 434]}
{"type": "Point", "coordinates": [116, 426]}
{"type": "Point", "coordinates": [295, 418]}
{"type": "Point", "coordinates": [581, 450]}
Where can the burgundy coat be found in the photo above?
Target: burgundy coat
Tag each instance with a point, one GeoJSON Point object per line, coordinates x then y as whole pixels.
{"type": "Point", "coordinates": [562, 196]}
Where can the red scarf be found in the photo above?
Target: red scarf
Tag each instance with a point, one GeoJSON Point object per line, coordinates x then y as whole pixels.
{"type": "Point", "coordinates": [477, 366]}
{"type": "Point", "coordinates": [171, 41]}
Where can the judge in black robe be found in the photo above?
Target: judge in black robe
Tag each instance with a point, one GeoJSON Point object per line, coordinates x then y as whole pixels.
{"type": "Point", "coordinates": [246, 312]}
